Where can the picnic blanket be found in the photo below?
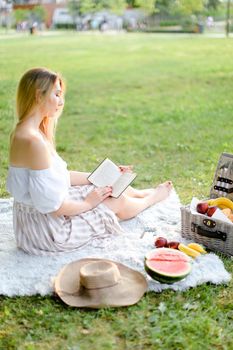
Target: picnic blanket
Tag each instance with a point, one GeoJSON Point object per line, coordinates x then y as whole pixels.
{"type": "Point", "coordinates": [22, 274]}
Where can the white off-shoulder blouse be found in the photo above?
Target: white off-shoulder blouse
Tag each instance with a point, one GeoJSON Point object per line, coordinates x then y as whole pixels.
{"type": "Point", "coordinates": [43, 189]}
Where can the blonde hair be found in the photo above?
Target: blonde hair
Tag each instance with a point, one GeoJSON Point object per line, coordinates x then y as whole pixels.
{"type": "Point", "coordinates": [34, 81]}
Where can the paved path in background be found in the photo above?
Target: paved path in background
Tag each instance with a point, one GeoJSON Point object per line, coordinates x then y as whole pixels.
{"type": "Point", "coordinates": [13, 34]}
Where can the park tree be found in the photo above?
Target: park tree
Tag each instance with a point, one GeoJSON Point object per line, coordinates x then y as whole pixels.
{"type": "Point", "coordinates": [112, 5]}
{"type": "Point", "coordinates": [212, 4]}
{"type": "Point", "coordinates": [80, 7]}
{"type": "Point", "coordinates": [21, 15]}
{"type": "Point", "coordinates": [170, 7]}
{"type": "Point", "coordinates": [164, 7]}
{"type": "Point", "coordinates": [189, 7]}
{"type": "Point", "coordinates": [38, 13]}
{"type": "Point", "coordinates": [146, 5]}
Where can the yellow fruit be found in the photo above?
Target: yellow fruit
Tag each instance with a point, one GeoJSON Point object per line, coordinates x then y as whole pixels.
{"type": "Point", "coordinates": [191, 252]}
{"type": "Point", "coordinates": [197, 247]}
{"type": "Point", "coordinates": [221, 202]}
{"type": "Point", "coordinates": [222, 206]}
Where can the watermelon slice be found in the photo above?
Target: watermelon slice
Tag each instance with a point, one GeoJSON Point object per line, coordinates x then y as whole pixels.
{"type": "Point", "coordinates": [167, 265]}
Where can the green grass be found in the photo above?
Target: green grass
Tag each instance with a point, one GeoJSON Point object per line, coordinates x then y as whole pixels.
{"type": "Point", "coordinates": [162, 103]}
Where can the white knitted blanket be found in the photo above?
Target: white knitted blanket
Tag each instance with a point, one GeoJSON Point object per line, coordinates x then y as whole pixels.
{"type": "Point", "coordinates": [22, 274]}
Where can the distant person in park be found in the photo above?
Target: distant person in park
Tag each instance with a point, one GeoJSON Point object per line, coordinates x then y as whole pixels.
{"type": "Point", "coordinates": [210, 22]}
{"type": "Point", "coordinates": [33, 28]}
{"type": "Point", "coordinates": [57, 210]}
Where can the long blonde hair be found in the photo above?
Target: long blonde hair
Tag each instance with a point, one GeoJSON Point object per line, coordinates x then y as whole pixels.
{"type": "Point", "coordinates": [34, 81]}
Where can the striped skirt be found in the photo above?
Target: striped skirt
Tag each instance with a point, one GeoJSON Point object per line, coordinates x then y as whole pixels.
{"type": "Point", "coordinates": [45, 234]}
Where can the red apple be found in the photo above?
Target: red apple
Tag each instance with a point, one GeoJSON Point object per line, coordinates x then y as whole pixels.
{"type": "Point", "coordinates": [173, 245]}
{"type": "Point", "coordinates": [202, 207]}
{"type": "Point", "coordinates": [211, 210]}
{"type": "Point", "coordinates": [160, 242]}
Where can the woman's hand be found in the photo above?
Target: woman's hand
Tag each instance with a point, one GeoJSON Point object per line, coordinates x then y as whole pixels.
{"type": "Point", "coordinates": [98, 195]}
{"type": "Point", "coordinates": [126, 168]}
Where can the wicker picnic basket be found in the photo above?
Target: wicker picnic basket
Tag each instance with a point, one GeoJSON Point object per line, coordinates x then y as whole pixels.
{"type": "Point", "coordinates": [214, 234]}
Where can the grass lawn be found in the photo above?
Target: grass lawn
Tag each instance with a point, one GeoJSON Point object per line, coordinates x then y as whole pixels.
{"type": "Point", "coordinates": [162, 103]}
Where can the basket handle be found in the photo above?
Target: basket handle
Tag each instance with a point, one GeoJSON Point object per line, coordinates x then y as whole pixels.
{"type": "Point", "coordinates": [223, 189]}
{"type": "Point", "coordinates": [207, 233]}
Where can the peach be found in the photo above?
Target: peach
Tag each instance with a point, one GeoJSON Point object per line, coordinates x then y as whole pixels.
{"type": "Point", "coordinates": [227, 212]}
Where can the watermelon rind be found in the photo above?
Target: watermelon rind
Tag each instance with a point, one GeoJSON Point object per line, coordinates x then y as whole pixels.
{"type": "Point", "coordinates": [165, 278]}
{"type": "Point", "coordinates": [162, 276]}
{"type": "Point", "coordinates": [162, 279]}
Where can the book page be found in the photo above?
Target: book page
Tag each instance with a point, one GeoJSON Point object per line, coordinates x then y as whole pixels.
{"type": "Point", "coordinates": [106, 174]}
{"type": "Point", "coordinates": [122, 183]}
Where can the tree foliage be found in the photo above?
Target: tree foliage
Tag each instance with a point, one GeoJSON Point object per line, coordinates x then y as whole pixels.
{"type": "Point", "coordinates": [21, 15]}
{"type": "Point", "coordinates": [182, 7]}
{"type": "Point", "coordinates": [164, 7]}
{"type": "Point", "coordinates": [189, 7]}
{"type": "Point", "coordinates": [146, 5]}
{"type": "Point", "coordinates": [38, 13]}
{"type": "Point", "coordinates": [80, 7]}
{"type": "Point", "coordinates": [112, 5]}
{"type": "Point", "coordinates": [213, 4]}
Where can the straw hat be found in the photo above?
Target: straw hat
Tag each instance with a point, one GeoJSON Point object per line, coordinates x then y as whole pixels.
{"type": "Point", "coordinates": [97, 283]}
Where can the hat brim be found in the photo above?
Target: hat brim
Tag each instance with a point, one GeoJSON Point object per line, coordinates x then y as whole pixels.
{"type": "Point", "coordinates": [128, 291]}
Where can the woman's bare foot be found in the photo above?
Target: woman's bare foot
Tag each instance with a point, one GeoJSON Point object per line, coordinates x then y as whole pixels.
{"type": "Point", "coordinates": [161, 192]}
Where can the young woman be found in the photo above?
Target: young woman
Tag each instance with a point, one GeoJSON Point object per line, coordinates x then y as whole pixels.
{"type": "Point", "coordinates": [56, 210]}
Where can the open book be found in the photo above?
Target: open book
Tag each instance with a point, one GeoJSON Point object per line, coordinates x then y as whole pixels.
{"type": "Point", "coordinates": [108, 174]}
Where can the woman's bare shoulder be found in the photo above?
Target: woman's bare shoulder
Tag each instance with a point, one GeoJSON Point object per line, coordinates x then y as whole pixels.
{"type": "Point", "coordinates": [28, 149]}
